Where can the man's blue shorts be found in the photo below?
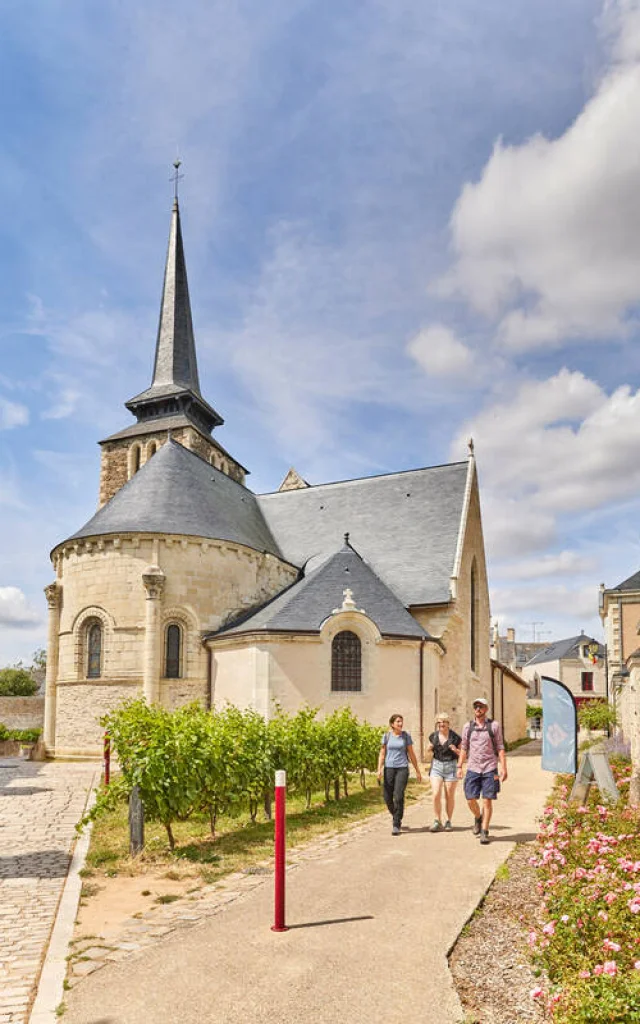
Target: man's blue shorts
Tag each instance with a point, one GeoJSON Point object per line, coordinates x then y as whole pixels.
{"type": "Point", "coordinates": [485, 784]}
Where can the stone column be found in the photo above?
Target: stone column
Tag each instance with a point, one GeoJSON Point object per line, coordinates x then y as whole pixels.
{"type": "Point", "coordinates": [154, 581]}
{"type": "Point", "coordinates": [53, 594]}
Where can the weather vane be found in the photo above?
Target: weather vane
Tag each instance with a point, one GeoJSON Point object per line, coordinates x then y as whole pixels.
{"type": "Point", "coordinates": [176, 176]}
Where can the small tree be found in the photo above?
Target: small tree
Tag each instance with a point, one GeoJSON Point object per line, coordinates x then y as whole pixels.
{"type": "Point", "coordinates": [17, 682]}
{"type": "Point", "coordinates": [597, 714]}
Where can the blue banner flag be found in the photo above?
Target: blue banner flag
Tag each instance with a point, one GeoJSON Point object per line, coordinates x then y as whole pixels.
{"type": "Point", "coordinates": [559, 728]}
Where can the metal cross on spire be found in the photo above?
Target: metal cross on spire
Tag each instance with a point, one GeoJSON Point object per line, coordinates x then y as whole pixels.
{"type": "Point", "coordinates": [176, 176]}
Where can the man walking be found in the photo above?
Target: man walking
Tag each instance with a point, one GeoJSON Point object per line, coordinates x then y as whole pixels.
{"type": "Point", "coordinates": [483, 747]}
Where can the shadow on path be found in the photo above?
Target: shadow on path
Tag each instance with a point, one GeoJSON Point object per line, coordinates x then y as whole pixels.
{"type": "Point", "coordinates": [335, 920]}
{"type": "Point", "coordinates": [24, 790]}
{"type": "Point", "coordinates": [43, 864]}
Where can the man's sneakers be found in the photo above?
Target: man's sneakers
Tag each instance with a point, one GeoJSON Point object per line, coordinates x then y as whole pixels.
{"type": "Point", "coordinates": [436, 827]}
{"type": "Point", "coordinates": [477, 826]}
{"type": "Point", "coordinates": [484, 837]}
{"type": "Point", "coordinates": [395, 831]}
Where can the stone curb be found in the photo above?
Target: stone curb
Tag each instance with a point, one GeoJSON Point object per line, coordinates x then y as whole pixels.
{"type": "Point", "coordinates": [50, 991]}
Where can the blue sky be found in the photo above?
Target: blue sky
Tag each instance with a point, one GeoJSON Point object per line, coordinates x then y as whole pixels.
{"type": "Point", "coordinates": [405, 223]}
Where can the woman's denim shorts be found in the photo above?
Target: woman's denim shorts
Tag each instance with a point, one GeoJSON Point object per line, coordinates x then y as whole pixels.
{"type": "Point", "coordinates": [444, 770]}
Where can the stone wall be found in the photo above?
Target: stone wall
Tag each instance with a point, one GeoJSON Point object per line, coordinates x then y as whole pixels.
{"type": "Point", "coordinates": [22, 712]}
{"type": "Point", "coordinates": [117, 462]}
{"type": "Point", "coordinates": [458, 683]}
{"type": "Point", "coordinates": [79, 708]}
{"type": "Point", "coordinates": [206, 582]}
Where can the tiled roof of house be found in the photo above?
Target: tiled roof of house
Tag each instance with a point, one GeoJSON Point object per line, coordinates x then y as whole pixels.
{"type": "Point", "coordinates": [632, 583]}
{"type": "Point", "coordinates": [569, 648]}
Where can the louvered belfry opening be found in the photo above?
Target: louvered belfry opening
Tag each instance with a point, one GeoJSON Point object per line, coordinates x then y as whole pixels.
{"type": "Point", "coordinates": [346, 662]}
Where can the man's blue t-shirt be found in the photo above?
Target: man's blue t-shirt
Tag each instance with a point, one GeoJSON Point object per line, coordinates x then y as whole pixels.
{"type": "Point", "coordinates": [396, 756]}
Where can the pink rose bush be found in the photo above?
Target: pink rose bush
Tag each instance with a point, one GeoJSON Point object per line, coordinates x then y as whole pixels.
{"type": "Point", "coordinates": [588, 865]}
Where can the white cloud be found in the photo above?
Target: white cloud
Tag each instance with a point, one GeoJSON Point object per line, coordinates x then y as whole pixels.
{"type": "Point", "coordinates": [563, 563]}
{"type": "Point", "coordinates": [439, 352]}
{"type": "Point", "coordinates": [15, 609]}
{"type": "Point", "coordinates": [12, 414]}
{"type": "Point", "coordinates": [555, 446]}
{"type": "Point", "coordinates": [63, 406]}
{"type": "Point", "coordinates": [546, 600]}
{"type": "Point", "coordinates": [548, 241]}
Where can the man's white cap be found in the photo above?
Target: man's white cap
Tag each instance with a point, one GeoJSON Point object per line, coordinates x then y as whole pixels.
{"type": "Point", "coordinates": [481, 700]}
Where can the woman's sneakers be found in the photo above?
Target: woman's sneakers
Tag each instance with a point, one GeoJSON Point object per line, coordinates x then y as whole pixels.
{"type": "Point", "coordinates": [448, 827]}
{"type": "Point", "coordinates": [436, 827]}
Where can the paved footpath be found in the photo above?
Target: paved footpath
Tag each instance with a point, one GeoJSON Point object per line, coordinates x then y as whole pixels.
{"type": "Point", "coordinates": [40, 805]}
{"type": "Point", "coordinates": [371, 922]}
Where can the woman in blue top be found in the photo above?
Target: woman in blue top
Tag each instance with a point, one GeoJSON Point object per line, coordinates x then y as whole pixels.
{"type": "Point", "coordinates": [395, 753]}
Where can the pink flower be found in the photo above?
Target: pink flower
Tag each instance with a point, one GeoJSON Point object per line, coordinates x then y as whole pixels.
{"type": "Point", "coordinates": [637, 965]}
{"type": "Point", "coordinates": [634, 905]}
{"type": "Point", "coordinates": [537, 992]}
{"type": "Point", "coordinates": [610, 967]}
{"type": "Point", "coordinates": [613, 947]}
{"type": "Point", "coordinates": [598, 969]}
{"type": "Point", "coordinates": [603, 915]}
{"type": "Point", "coordinates": [532, 939]}
{"type": "Point", "coordinates": [584, 974]}
{"type": "Point", "coordinates": [550, 928]}
{"type": "Point", "coordinates": [610, 897]}
{"type": "Point", "coordinates": [564, 918]}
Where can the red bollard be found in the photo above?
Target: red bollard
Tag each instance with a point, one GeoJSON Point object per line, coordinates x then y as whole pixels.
{"type": "Point", "coordinates": [281, 797]}
{"type": "Point", "coordinates": [107, 759]}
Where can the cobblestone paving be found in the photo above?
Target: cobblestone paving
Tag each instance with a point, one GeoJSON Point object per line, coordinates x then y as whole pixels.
{"type": "Point", "coordinates": [40, 805]}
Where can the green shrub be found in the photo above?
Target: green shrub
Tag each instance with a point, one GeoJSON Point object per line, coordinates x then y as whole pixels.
{"type": "Point", "coordinates": [17, 682]}
{"type": "Point", "coordinates": [19, 735]}
{"type": "Point", "coordinates": [217, 762]}
{"type": "Point", "coordinates": [597, 714]}
{"type": "Point", "coordinates": [534, 711]}
{"type": "Point", "coordinates": [588, 866]}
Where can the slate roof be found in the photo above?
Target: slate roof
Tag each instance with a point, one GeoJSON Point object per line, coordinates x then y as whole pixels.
{"type": "Point", "coordinates": [178, 492]}
{"type": "Point", "coordinates": [405, 525]}
{"type": "Point", "coordinates": [565, 649]}
{"type": "Point", "coordinates": [175, 370]}
{"type": "Point", "coordinates": [633, 583]}
{"type": "Point", "coordinates": [303, 607]}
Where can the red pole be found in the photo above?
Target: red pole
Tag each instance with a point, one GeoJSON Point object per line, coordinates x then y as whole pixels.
{"type": "Point", "coordinates": [281, 796]}
{"type": "Point", "coordinates": [107, 759]}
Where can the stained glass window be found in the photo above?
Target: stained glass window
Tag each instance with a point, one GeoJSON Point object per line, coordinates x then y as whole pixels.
{"type": "Point", "coordinates": [94, 651]}
{"type": "Point", "coordinates": [172, 652]}
{"type": "Point", "coordinates": [346, 662]}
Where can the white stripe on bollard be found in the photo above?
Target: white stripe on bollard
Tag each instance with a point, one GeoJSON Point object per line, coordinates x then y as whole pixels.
{"type": "Point", "coordinates": [281, 778]}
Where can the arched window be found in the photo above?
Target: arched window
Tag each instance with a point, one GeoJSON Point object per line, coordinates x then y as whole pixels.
{"type": "Point", "coordinates": [152, 449]}
{"type": "Point", "coordinates": [134, 464]}
{"type": "Point", "coordinates": [172, 652]}
{"type": "Point", "coordinates": [473, 616]}
{"type": "Point", "coordinates": [94, 650]}
{"type": "Point", "coordinates": [346, 662]}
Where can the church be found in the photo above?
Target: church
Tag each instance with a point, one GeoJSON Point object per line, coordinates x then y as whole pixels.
{"type": "Point", "coordinates": [185, 585]}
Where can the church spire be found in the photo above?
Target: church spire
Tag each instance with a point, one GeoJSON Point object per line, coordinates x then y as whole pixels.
{"type": "Point", "coordinates": [175, 361]}
{"type": "Point", "coordinates": [175, 387]}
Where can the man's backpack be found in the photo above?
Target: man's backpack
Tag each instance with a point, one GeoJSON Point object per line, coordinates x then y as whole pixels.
{"type": "Point", "coordinates": [489, 726]}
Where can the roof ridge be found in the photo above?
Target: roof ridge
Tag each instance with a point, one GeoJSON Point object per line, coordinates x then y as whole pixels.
{"type": "Point", "coordinates": [361, 479]}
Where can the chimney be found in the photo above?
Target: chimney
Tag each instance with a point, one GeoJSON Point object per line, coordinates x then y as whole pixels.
{"type": "Point", "coordinates": [511, 635]}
